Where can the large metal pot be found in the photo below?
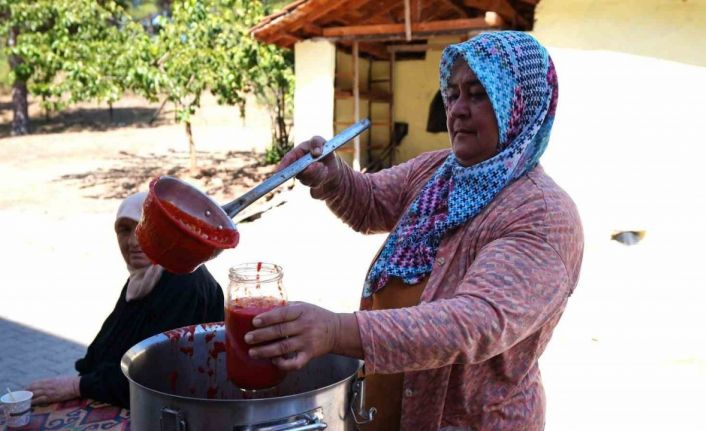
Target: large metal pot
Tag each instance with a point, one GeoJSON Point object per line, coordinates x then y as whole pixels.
{"type": "Point", "coordinates": [178, 381]}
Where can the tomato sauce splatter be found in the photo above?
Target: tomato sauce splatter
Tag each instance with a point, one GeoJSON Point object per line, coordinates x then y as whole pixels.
{"type": "Point", "coordinates": [173, 377]}
{"type": "Point", "coordinates": [175, 335]}
{"type": "Point", "coordinates": [218, 348]}
{"type": "Point", "coordinates": [212, 392]}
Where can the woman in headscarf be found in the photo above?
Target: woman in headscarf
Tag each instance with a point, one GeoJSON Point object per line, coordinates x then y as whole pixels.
{"type": "Point", "coordinates": [484, 251]}
{"type": "Point", "coordinates": [152, 300]}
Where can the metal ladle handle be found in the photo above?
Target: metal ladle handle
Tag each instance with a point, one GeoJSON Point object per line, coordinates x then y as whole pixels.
{"type": "Point", "coordinates": [292, 170]}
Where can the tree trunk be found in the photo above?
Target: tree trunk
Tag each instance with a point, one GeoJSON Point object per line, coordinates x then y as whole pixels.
{"type": "Point", "coordinates": [283, 132]}
{"type": "Point", "coordinates": [241, 108]}
{"type": "Point", "coordinates": [192, 148]}
{"type": "Point", "coordinates": [159, 111]}
{"type": "Point", "coordinates": [45, 110]}
{"type": "Point", "coordinates": [280, 125]}
{"type": "Point", "coordinates": [20, 111]}
{"type": "Point", "coordinates": [110, 111]}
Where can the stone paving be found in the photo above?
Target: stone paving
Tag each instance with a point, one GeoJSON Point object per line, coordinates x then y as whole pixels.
{"type": "Point", "coordinates": [27, 354]}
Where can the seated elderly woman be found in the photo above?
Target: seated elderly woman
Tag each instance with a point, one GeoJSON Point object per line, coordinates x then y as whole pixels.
{"type": "Point", "coordinates": [483, 253]}
{"type": "Point", "coordinates": [152, 300]}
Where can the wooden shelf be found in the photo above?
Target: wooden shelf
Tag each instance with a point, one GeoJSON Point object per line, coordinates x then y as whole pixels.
{"type": "Point", "coordinates": [350, 75]}
{"type": "Point", "coordinates": [375, 96]}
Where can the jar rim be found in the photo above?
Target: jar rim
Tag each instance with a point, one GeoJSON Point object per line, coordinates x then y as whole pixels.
{"type": "Point", "coordinates": [248, 272]}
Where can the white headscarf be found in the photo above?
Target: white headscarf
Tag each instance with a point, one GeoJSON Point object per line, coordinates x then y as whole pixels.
{"type": "Point", "coordinates": [142, 280]}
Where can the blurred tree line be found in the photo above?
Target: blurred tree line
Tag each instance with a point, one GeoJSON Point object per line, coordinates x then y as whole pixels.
{"type": "Point", "coordinates": [69, 51]}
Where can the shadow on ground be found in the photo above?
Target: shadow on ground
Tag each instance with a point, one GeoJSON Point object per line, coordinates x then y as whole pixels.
{"type": "Point", "coordinates": [222, 175]}
{"type": "Point", "coordinates": [29, 354]}
{"type": "Point", "coordinates": [79, 119]}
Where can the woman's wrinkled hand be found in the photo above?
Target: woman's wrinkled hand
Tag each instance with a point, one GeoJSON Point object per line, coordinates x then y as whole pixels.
{"type": "Point", "coordinates": [293, 335]}
{"type": "Point", "coordinates": [324, 172]}
{"type": "Point", "coordinates": [56, 389]}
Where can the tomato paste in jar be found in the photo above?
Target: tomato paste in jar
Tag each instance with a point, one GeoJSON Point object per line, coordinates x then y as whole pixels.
{"type": "Point", "coordinates": [254, 289]}
{"type": "Point", "coordinates": [244, 371]}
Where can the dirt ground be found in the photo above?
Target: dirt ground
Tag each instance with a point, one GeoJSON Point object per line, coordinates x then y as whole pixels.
{"type": "Point", "coordinates": [630, 351]}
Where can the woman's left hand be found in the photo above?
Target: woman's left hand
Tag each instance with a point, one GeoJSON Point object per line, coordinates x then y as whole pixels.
{"type": "Point", "coordinates": [293, 335]}
{"type": "Point", "coordinates": [56, 389]}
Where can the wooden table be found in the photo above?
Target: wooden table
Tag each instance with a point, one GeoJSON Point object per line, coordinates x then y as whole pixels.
{"type": "Point", "coordinates": [76, 415]}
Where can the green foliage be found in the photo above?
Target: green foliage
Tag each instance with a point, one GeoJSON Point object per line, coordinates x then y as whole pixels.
{"type": "Point", "coordinates": [71, 50]}
{"type": "Point", "coordinates": [200, 48]}
{"type": "Point", "coordinates": [79, 50]}
{"type": "Point", "coordinates": [5, 82]}
{"type": "Point", "coordinates": [276, 151]}
{"type": "Point", "coordinates": [144, 10]}
{"type": "Point", "coordinates": [273, 83]}
{"type": "Point", "coordinates": [274, 5]}
{"type": "Point", "coordinates": [207, 46]}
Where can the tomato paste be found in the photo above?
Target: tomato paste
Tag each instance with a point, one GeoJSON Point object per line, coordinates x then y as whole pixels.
{"type": "Point", "coordinates": [198, 226]}
{"type": "Point", "coordinates": [244, 371]}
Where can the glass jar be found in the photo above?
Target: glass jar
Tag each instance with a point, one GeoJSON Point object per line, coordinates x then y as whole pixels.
{"type": "Point", "coordinates": [254, 288]}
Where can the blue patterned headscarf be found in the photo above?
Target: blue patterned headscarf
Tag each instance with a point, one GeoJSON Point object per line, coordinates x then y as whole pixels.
{"type": "Point", "coordinates": [519, 77]}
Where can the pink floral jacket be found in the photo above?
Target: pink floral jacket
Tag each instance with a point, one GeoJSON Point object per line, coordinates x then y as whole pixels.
{"type": "Point", "coordinates": [499, 285]}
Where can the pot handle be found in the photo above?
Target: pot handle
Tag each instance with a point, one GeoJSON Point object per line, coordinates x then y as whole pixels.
{"type": "Point", "coordinates": [360, 416]}
{"type": "Point", "coordinates": [172, 420]}
{"type": "Point", "coordinates": [311, 421]}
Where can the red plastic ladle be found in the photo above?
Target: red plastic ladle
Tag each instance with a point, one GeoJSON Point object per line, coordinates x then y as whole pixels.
{"type": "Point", "coordinates": [181, 227]}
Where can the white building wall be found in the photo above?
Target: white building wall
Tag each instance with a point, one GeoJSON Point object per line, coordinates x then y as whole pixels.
{"type": "Point", "coordinates": [315, 68]}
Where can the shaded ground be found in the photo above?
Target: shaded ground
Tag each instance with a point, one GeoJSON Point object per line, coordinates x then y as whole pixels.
{"type": "Point", "coordinates": [32, 354]}
{"type": "Point", "coordinates": [85, 117]}
{"type": "Point", "coordinates": [219, 174]}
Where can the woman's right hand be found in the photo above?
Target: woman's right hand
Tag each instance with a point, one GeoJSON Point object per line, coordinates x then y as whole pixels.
{"type": "Point", "coordinates": [324, 172]}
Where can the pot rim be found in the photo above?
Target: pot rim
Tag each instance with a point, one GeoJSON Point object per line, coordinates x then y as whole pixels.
{"type": "Point", "coordinates": [140, 347]}
{"type": "Point", "coordinates": [181, 227]}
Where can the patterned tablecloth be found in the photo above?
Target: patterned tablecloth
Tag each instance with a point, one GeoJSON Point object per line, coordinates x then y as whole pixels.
{"type": "Point", "coordinates": [76, 415]}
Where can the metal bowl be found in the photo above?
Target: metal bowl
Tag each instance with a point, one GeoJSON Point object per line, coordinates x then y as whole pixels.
{"type": "Point", "coordinates": [166, 239]}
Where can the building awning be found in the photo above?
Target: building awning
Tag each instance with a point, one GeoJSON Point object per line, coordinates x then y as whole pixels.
{"type": "Point", "coordinates": [376, 23]}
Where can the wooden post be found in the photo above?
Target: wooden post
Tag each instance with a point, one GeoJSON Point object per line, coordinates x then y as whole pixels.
{"type": "Point", "coordinates": [407, 21]}
{"type": "Point", "coordinates": [393, 57]}
{"type": "Point", "coordinates": [356, 106]}
{"type": "Point", "coordinates": [369, 143]}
